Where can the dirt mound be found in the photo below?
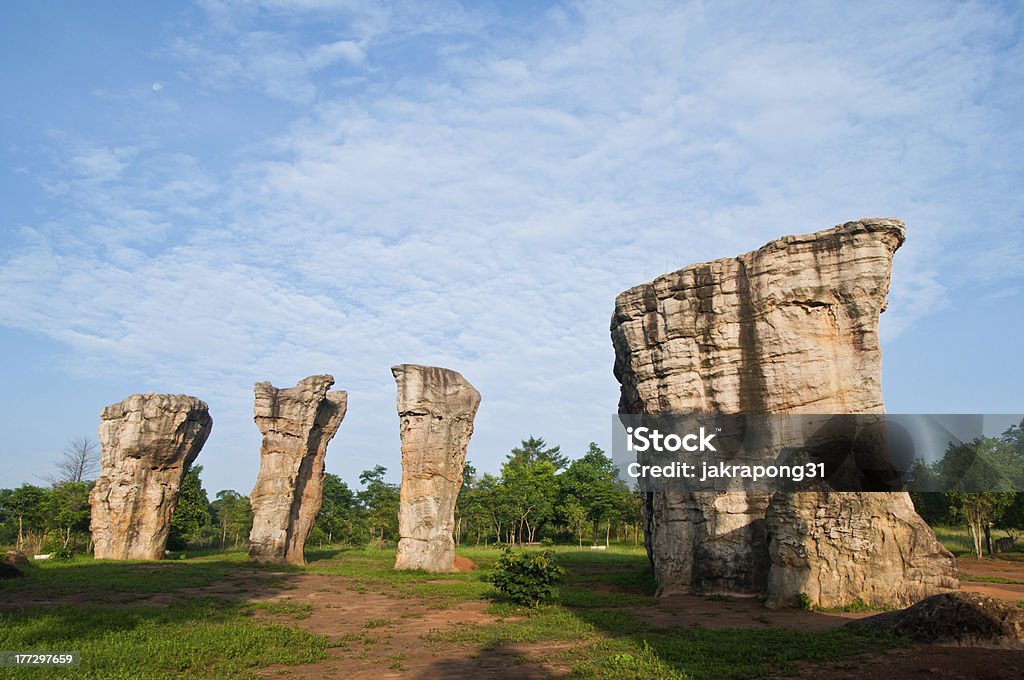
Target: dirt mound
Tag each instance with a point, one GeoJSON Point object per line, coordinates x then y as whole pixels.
{"type": "Point", "coordinates": [957, 618]}
{"type": "Point", "coordinates": [8, 570]}
{"type": "Point", "coordinates": [465, 564]}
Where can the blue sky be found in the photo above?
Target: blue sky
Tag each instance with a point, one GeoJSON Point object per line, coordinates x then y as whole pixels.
{"type": "Point", "coordinates": [200, 196]}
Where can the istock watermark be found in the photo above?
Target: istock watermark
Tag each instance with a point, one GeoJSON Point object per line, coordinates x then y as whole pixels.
{"type": "Point", "coordinates": [642, 439]}
{"type": "Point", "coordinates": [815, 452]}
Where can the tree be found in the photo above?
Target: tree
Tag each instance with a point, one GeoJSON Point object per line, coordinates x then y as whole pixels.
{"type": "Point", "coordinates": [495, 501]}
{"type": "Point", "coordinates": [468, 510]}
{"type": "Point", "coordinates": [1014, 438]}
{"type": "Point", "coordinates": [232, 514]}
{"type": "Point", "coordinates": [340, 519]}
{"type": "Point", "coordinates": [531, 490]}
{"type": "Point", "coordinates": [593, 481]}
{"type": "Point", "coordinates": [192, 514]}
{"type": "Point", "coordinates": [534, 449]}
{"type": "Point", "coordinates": [575, 517]}
{"type": "Point", "coordinates": [632, 511]}
{"type": "Point", "coordinates": [1012, 520]}
{"type": "Point", "coordinates": [381, 501]}
{"type": "Point", "coordinates": [981, 476]}
{"type": "Point", "coordinates": [80, 460]}
{"type": "Point", "coordinates": [25, 507]}
{"type": "Point", "coordinates": [67, 505]}
{"type": "Point", "coordinates": [981, 510]}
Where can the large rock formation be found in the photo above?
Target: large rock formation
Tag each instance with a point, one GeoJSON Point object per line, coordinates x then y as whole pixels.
{"type": "Point", "coordinates": [149, 441]}
{"type": "Point", "coordinates": [297, 423]}
{"type": "Point", "coordinates": [436, 407]}
{"type": "Point", "coordinates": [789, 328]}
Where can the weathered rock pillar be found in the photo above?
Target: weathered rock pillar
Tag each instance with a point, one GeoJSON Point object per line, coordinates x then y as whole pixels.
{"type": "Point", "coordinates": [436, 407]}
{"type": "Point", "coordinates": [297, 423]}
{"type": "Point", "coordinates": [149, 441]}
{"type": "Point", "coordinates": [789, 328]}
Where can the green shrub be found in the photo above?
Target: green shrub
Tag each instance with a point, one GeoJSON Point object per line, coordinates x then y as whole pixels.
{"type": "Point", "coordinates": [526, 579]}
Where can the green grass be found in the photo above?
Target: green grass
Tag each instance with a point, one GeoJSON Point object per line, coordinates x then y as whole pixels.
{"type": "Point", "coordinates": [959, 542]}
{"type": "Point", "coordinates": [293, 610]}
{"type": "Point", "coordinates": [614, 644]}
{"type": "Point", "coordinates": [990, 579]}
{"type": "Point", "coordinates": [201, 639]}
{"type": "Point", "coordinates": [84, 575]}
{"type": "Point", "coordinates": [594, 628]}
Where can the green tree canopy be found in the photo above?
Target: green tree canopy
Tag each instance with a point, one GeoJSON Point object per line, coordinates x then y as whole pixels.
{"type": "Point", "coordinates": [192, 514]}
{"type": "Point", "coordinates": [381, 502]}
{"type": "Point", "coordinates": [340, 518]}
{"type": "Point", "coordinates": [534, 449]}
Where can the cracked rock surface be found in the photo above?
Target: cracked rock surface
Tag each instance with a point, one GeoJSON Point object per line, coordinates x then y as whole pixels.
{"type": "Point", "coordinates": [789, 328]}
{"type": "Point", "coordinates": [297, 423]}
{"type": "Point", "coordinates": [149, 442]}
{"type": "Point", "coordinates": [436, 407]}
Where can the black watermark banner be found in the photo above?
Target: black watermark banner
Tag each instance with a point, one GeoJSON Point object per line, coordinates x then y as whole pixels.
{"type": "Point", "coordinates": [764, 453]}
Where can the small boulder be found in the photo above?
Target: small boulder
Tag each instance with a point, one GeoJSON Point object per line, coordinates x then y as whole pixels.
{"type": "Point", "coordinates": [17, 558]}
{"type": "Point", "coordinates": [959, 618]}
{"type": "Point", "coordinates": [463, 564]}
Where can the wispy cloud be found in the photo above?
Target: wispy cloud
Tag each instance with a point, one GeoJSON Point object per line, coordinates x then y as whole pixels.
{"type": "Point", "coordinates": [476, 193]}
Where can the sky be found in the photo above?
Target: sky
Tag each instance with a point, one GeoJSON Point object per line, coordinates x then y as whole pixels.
{"type": "Point", "coordinates": [200, 196]}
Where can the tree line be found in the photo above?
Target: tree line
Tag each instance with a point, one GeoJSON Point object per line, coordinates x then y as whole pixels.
{"type": "Point", "coordinates": [993, 463]}
{"type": "Point", "coordinates": [539, 495]}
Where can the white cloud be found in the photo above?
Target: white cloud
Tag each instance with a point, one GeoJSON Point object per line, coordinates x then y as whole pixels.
{"type": "Point", "coordinates": [482, 211]}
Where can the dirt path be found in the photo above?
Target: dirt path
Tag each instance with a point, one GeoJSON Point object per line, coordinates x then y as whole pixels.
{"type": "Point", "coordinates": [386, 637]}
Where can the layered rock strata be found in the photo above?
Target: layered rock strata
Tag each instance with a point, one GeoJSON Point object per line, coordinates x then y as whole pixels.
{"type": "Point", "coordinates": [149, 442]}
{"type": "Point", "coordinates": [789, 328]}
{"type": "Point", "coordinates": [436, 407]}
{"type": "Point", "coordinates": [297, 423]}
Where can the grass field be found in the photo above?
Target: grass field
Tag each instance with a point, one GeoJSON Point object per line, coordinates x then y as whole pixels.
{"type": "Point", "coordinates": [209, 616]}
{"type": "Point", "coordinates": [958, 539]}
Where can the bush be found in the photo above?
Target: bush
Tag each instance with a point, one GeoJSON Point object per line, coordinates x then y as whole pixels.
{"type": "Point", "coordinates": [526, 579]}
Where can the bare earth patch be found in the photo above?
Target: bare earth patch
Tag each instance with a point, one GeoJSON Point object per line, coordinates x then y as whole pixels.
{"type": "Point", "coordinates": [385, 637]}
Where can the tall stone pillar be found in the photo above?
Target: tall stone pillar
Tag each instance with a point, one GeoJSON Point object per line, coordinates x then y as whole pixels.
{"type": "Point", "coordinates": [297, 423]}
{"type": "Point", "coordinates": [149, 442]}
{"type": "Point", "coordinates": [436, 407]}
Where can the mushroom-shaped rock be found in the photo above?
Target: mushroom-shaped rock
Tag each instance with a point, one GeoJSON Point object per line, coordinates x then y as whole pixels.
{"type": "Point", "coordinates": [436, 407]}
{"type": "Point", "coordinates": [789, 328]}
{"type": "Point", "coordinates": [149, 442]}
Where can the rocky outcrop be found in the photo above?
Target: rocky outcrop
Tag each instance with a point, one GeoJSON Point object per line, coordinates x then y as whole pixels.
{"type": "Point", "coordinates": [953, 618]}
{"type": "Point", "coordinates": [436, 407]}
{"type": "Point", "coordinates": [149, 442]}
{"type": "Point", "coordinates": [297, 423]}
{"type": "Point", "coordinates": [789, 328]}
{"type": "Point", "coordinates": [842, 548]}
